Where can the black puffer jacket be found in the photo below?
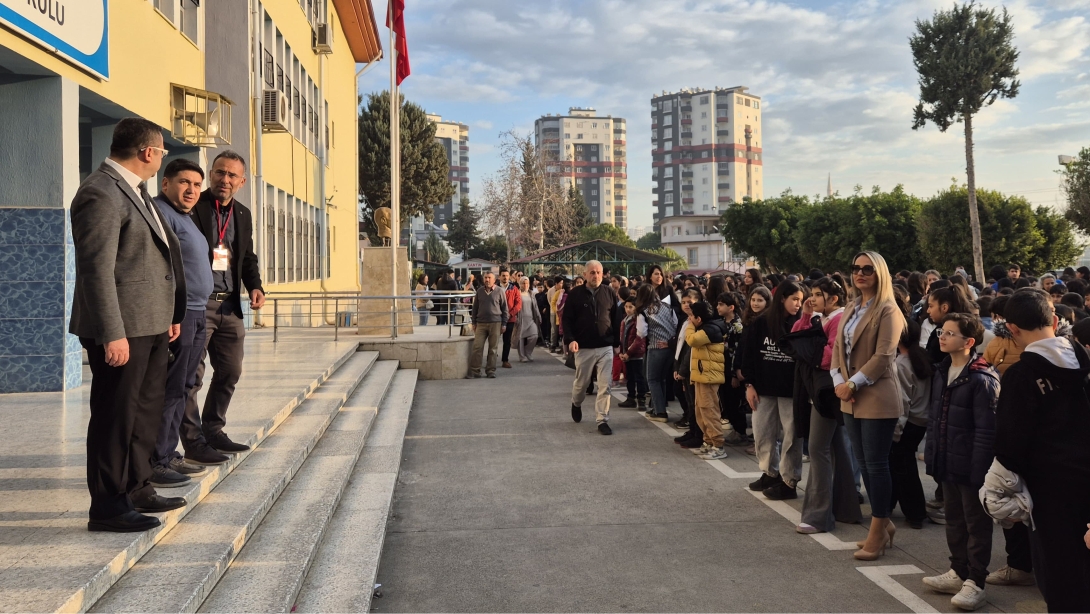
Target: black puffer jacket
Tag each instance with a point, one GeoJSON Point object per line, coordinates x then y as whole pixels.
{"type": "Point", "coordinates": [961, 423]}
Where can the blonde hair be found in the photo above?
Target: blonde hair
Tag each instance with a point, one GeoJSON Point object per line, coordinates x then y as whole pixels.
{"type": "Point", "coordinates": [881, 272]}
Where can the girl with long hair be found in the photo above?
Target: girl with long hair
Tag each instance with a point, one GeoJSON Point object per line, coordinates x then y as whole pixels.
{"type": "Point", "coordinates": [914, 373]}
{"type": "Point", "coordinates": [750, 280]}
{"type": "Point", "coordinates": [683, 389]}
{"type": "Point", "coordinates": [656, 322]}
{"type": "Point", "coordinates": [756, 303]}
{"type": "Point", "coordinates": [863, 371]}
{"type": "Point", "coordinates": [770, 379]}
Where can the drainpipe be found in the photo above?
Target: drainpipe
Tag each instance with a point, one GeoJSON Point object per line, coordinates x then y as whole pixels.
{"type": "Point", "coordinates": [256, 90]}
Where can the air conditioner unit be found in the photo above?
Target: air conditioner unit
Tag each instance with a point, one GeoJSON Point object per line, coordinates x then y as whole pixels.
{"type": "Point", "coordinates": [274, 111]}
{"type": "Point", "coordinates": [323, 38]}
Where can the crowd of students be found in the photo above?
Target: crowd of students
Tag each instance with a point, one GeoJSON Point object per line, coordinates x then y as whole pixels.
{"type": "Point", "coordinates": [852, 374]}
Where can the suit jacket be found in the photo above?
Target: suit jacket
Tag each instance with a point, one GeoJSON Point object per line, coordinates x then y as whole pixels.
{"type": "Point", "coordinates": [129, 279]}
{"type": "Point", "coordinates": [244, 261]}
{"type": "Point", "coordinates": [874, 348]}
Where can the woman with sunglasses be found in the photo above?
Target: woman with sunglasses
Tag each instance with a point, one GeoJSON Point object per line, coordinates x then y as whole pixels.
{"type": "Point", "coordinates": [863, 371]}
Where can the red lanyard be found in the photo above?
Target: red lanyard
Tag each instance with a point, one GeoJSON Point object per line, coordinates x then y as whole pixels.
{"type": "Point", "coordinates": [223, 228]}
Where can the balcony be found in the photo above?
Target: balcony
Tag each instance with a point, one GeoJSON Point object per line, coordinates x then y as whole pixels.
{"type": "Point", "coordinates": [722, 118]}
{"type": "Point", "coordinates": [687, 135]}
{"type": "Point", "coordinates": [687, 201]}
{"type": "Point", "coordinates": [723, 186]}
{"type": "Point", "coordinates": [722, 132]}
{"type": "Point", "coordinates": [618, 141]}
{"type": "Point", "coordinates": [687, 187]}
{"type": "Point", "coordinates": [654, 125]}
{"type": "Point", "coordinates": [687, 211]}
{"type": "Point", "coordinates": [463, 147]}
{"type": "Point", "coordinates": [723, 172]}
{"type": "Point", "coordinates": [686, 174]}
{"type": "Point", "coordinates": [687, 108]}
{"type": "Point", "coordinates": [725, 199]}
{"type": "Point", "coordinates": [619, 186]}
{"type": "Point", "coordinates": [686, 122]}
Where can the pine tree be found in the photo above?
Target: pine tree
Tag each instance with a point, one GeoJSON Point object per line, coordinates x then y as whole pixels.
{"type": "Point", "coordinates": [462, 233]}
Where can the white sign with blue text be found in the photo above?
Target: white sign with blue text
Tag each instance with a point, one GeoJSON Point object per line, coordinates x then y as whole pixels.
{"type": "Point", "coordinates": [77, 30]}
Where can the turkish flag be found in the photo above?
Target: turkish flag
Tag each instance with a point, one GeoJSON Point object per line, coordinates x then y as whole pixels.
{"type": "Point", "coordinates": [395, 20]}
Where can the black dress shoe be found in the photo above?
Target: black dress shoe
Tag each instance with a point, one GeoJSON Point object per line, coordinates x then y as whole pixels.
{"type": "Point", "coordinates": [223, 443]}
{"type": "Point", "coordinates": [205, 455]}
{"type": "Point", "coordinates": [129, 522]}
{"type": "Point", "coordinates": [576, 413]}
{"type": "Point", "coordinates": [764, 482]}
{"type": "Point", "coordinates": [158, 503]}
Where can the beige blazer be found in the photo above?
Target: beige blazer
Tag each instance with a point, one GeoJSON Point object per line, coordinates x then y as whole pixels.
{"type": "Point", "coordinates": [874, 348]}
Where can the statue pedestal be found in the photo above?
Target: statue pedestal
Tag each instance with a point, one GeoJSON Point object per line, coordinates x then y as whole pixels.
{"type": "Point", "coordinates": [374, 315]}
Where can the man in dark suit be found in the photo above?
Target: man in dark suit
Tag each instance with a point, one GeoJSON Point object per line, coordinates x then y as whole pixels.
{"type": "Point", "coordinates": [128, 305]}
{"type": "Point", "coordinates": [228, 226]}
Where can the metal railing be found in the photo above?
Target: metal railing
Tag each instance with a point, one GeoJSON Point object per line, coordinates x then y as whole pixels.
{"type": "Point", "coordinates": [369, 314]}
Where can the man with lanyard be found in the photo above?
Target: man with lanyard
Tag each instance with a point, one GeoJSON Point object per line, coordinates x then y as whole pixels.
{"type": "Point", "coordinates": [228, 227]}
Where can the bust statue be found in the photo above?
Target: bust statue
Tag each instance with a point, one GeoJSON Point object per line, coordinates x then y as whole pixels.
{"type": "Point", "coordinates": [382, 223]}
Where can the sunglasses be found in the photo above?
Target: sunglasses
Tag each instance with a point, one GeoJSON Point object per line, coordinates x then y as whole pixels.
{"type": "Point", "coordinates": [866, 270]}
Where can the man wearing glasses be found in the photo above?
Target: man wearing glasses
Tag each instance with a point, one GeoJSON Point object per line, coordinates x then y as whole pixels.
{"type": "Point", "coordinates": [129, 301]}
{"type": "Point", "coordinates": [228, 227]}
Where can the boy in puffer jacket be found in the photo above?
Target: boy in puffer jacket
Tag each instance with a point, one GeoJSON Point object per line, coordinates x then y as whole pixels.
{"type": "Point", "coordinates": [960, 448]}
{"type": "Point", "coordinates": [632, 351]}
{"type": "Point", "coordinates": [708, 370]}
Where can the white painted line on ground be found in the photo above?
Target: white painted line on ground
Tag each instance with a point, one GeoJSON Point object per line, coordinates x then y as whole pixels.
{"type": "Point", "coordinates": [882, 575]}
{"type": "Point", "coordinates": [731, 473]}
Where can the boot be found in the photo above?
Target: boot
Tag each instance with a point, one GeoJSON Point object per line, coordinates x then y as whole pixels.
{"type": "Point", "coordinates": [641, 403]}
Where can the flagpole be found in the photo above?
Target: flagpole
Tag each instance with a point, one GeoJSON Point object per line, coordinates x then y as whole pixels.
{"type": "Point", "coordinates": [395, 172]}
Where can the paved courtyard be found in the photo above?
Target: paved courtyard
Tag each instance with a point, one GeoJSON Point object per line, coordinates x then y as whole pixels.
{"type": "Point", "coordinates": [505, 504]}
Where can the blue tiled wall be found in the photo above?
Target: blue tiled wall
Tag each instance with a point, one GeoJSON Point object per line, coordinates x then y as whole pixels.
{"type": "Point", "coordinates": [37, 276]}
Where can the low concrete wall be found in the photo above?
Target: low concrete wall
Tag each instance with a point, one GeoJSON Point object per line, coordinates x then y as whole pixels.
{"type": "Point", "coordinates": [433, 356]}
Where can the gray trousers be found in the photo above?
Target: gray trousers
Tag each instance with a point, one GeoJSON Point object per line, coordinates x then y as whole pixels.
{"type": "Point", "coordinates": [968, 532]}
{"type": "Point", "coordinates": [830, 486]}
{"type": "Point", "coordinates": [223, 348]}
{"type": "Point", "coordinates": [587, 362]}
{"type": "Point", "coordinates": [776, 415]}
{"type": "Point", "coordinates": [490, 333]}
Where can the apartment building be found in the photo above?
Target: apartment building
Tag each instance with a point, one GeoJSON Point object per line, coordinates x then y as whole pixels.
{"type": "Point", "coordinates": [589, 150]}
{"type": "Point", "coordinates": [454, 137]}
{"type": "Point", "coordinates": [706, 151]}
{"type": "Point", "coordinates": [696, 238]}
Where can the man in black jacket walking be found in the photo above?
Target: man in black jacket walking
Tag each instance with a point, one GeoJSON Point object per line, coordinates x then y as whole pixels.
{"type": "Point", "coordinates": [590, 332]}
{"type": "Point", "coordinates": [228, 227]}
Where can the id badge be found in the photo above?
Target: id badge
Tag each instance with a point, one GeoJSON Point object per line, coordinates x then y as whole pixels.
{"type": "Point", "coordinates": [221, 259]}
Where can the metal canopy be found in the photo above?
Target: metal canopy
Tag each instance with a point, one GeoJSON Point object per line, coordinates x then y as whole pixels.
{"type": "Point", "coordinates": [614, 257]}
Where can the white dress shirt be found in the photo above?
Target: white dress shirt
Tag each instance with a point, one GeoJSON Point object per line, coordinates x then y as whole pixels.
{"type": "Point", "coordinates": [134, 182]}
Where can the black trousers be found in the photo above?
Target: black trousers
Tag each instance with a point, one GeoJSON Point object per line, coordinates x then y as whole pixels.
{"type": "Point", "coordinates": [968, 532]}
{"type": "Point", "coordinates": [181, 376]}
{"type": "Point", "coordinates": [1019, 551]}
{"type": "Point", "coordinates": [907, 488]}
{"type": "Point", "coordinates": [223, 347]}
{"type": "Point", "coordinates": [1061, 560]}
{"type": "Point", "coordinates": [126, 409]}
{"type": "Point", "coordinates": [730, 403]}
{"type": "Point", "coordinates": [506, 355]}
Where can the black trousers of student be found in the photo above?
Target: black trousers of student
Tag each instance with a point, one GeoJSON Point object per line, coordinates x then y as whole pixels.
{"type": "Point", "coordinates": [126, 409]}
{"type": "Point", "coordinates": [1019, 550]}
{"type": "Point", "coordinates": [730, 403]}
{"type": "Point", "coordinates": [968, 532]}
{"type": "Point", "coordinates": [1061, 560]}
{"type": "Point", "coordinates": [506, 355]}
{"type": "Point", "coordinates": [686, 397]}
{"type": "Point", "coordinates": [907, 488]}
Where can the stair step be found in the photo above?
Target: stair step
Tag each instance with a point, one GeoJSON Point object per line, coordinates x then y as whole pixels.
{"type": "Point", "coordinates": [69, 568]}
{"type": "Point", "coordinates": [342, 577]}
{"type": "Point", "coordinates": [267, 575]}
{"type": "Point", "coordinates": [183, 567]}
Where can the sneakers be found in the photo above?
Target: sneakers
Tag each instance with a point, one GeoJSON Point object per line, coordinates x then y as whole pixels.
{"type": "Point", "coordinates": [473, 376]}
{"type": "Point", "coordinates": [970, 597]}
{"type": "Point", "coordinates": [641, 404]}
{"type": "Point", "coordinates": [627, 403]}
{"type": "Point", "coordinates": [780, 491]}
{"type": "Point", "coordinates": [204, 455]}
{"type": "Point", "coordinates": [764, 482]}
{"type": "Point", "coordinates": [681, 425]}
{"type": "Point", "coordinates": [185, 468]}
{"type": "Point", "coordinates": [949, 583]}
{"type": "Point", "coordinates": [805, 458]}
{"type": "Point", "coordinates": [1009, 576]}
{"type": "Point", "coordinates": [937, 516]}
{"type": "Point", "coordinates": [703, 449]}
{"type": "Point", "coordinates": [934, 504]}
{"type": "Point", "coordinates": [164, 477]}
{"type": "Point", "coordinates": [734, 437]}
{"type": "Point", "coordinates": [576, 413]}
{"type": "Point", "coordinates": [657, 417]}
{"type": "Point", "coordinates": [604, 429]}
{"type": "Point", "coordinates": [715, 453]}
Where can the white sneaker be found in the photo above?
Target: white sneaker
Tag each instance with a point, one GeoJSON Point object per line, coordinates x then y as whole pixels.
{"type": "Point", "coordinates": [1007, 576]}
{"type": "Point", "coordinates": [970, 597]}
{"type": "Point", "coordinates": [948, 582]}
{"type": "Point", "coordinates": [715, 453]}
{"type": "Point", "coordinates": [701, 450]}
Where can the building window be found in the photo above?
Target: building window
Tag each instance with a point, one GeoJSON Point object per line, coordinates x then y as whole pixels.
{"type": "Point", "coordinates": [579, 136]}
{"type": "Point", "coordinates": [669, 184]}
{"type": "Point", "coordinates": [703, 115]}
{"type": "Point", "coordinates": [703, 100]}
{"type": "Point", "coordinates": [748, 102]}
{"type": "Point", "coordinates": [703, 154]}
{"type": "Point", "coordinates": [704, 167]}
{"type": "Point", "coordinates": [667, 120]}
{"type": "Point", "coordinates": [666, 158]}
{"type": "Point", "coordinates": [705, 179]}
{"type": "Point", "coordinates": [668, 198]}
{"type": "Point", "coordinates": [667, 146]}
{"type": "Point", "coordinates": [693, 256]}
{"type": "Point", "coordinates": [705, 208]}
{"type": "Point", "coordinates": [567, 136]}
{"type": "Point", "coordinates": [756, 105]}
{"type": "Point", "coordinates": [669, 171]}
{"type": "Point", "coordinates": [666, 106]}
{"type": "Point", "coordinates": [704, 128]}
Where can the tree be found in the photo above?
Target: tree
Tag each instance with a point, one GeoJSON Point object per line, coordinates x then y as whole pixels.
{"type": "Point", "coordinates": [649, 241]}
{"type": "Point", "coordinates": [425, 169]}
{"type": "Point", "coordinates": [493, 248]}
{"type": "Point", "coordinates": [1060, 247]}
{"type": "Point", "coordinates": [545, 218]}
{"type": "Point", "coordinates": [577, 208]}
{"type": "Point", "coordinates": [606, 232]}
{"type": "Point", "coordinates": [1008, 221]}
{"type": "Point", "coordinates": [462, 234]}
{"type": "Point", "coordinates": [765, 230]}
{"type": "Point", "coordinates": [502, 205]}
{"type": "Point", "coordinates": [1076, 187]}
{"type": "Point", "coordinates": [965, 60]}
{"type": "Point", "coordinates": [674, 261]}
{"type": "Point", "coordinates": [434, 250]}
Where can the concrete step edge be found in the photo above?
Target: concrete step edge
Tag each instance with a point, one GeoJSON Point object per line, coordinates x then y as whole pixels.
{"type": "Point", "coordinates": [343, 573]}
{"type": "Point", "coordinates": [268, 573]}
{"type": "Point", "coordinates": [97, 585]}
{"type": "Point", "coordinates": [296, 428]}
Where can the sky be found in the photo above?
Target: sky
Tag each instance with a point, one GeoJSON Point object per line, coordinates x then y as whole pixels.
{"type": "Point", "coordinates": [836, 81]}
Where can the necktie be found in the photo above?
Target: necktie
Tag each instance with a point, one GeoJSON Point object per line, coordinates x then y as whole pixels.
{"type": "Point", "coordinates": [146, 197]}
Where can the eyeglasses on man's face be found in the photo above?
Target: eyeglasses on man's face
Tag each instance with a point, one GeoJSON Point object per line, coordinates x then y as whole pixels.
{"type": "Point", "coordinates": [949, 334]}
{"type": "Point", "coordinates": [162, 152]}
{"type": "Point", "coordinates": [865, 270]}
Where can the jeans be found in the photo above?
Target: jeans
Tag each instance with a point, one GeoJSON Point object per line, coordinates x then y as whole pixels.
{"type": "Point", "coordinates": [591, 362]}
{"type": "Point", "coordinates": [181, 377]}
{"type": "Point", "coordinates": [660, 376]}
{"type": "Point", "coordinates": [871, 443]}
{"type": "Point", "coordinates": [636, 379]}
{"type": "Point", "coordinates": [905, 473]}
{"type": "Point", "coordinates": [423, 313]}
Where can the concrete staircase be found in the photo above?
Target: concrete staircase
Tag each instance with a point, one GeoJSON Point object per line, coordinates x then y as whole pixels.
{"type": "Point", "coordinates": [317, 485]}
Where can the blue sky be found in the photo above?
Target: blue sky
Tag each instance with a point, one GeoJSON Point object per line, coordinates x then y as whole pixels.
{"type": "Point", "coordinates": [836, 79]}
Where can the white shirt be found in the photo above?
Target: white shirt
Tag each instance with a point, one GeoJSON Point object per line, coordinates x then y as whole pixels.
{"type": "Point", "coordinates": [134, 182]}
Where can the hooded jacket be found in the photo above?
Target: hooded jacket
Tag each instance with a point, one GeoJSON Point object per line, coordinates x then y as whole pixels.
{"type": "Point", "coordinates": [1043, 417]}
{"type": "Point", "coordinates": [1002, 352]}
{"type": "Point", "coordinates": [961, 423]}
{"type": "Point", "coordinates": [707, 358]}
{"type": "Point", "coordinates": [763, 363]}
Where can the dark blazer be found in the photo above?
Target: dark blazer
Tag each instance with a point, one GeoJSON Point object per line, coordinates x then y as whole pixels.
{"type": "Point", "coordinates": [129, 279]}
{"type": "Point", "coordinates": [244, 262]}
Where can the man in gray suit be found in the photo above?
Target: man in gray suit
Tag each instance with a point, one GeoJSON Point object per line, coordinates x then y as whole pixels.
{"type": "Point", "coordinates": [129, 301]}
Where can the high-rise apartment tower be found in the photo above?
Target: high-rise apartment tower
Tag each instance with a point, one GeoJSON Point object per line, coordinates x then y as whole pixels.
{"type": "Point", "coordinates": [706, 151]}
{"type": "Point", "coordinates": [589, 150]}
{"type": "Point", "coordinates": [454, 138]}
